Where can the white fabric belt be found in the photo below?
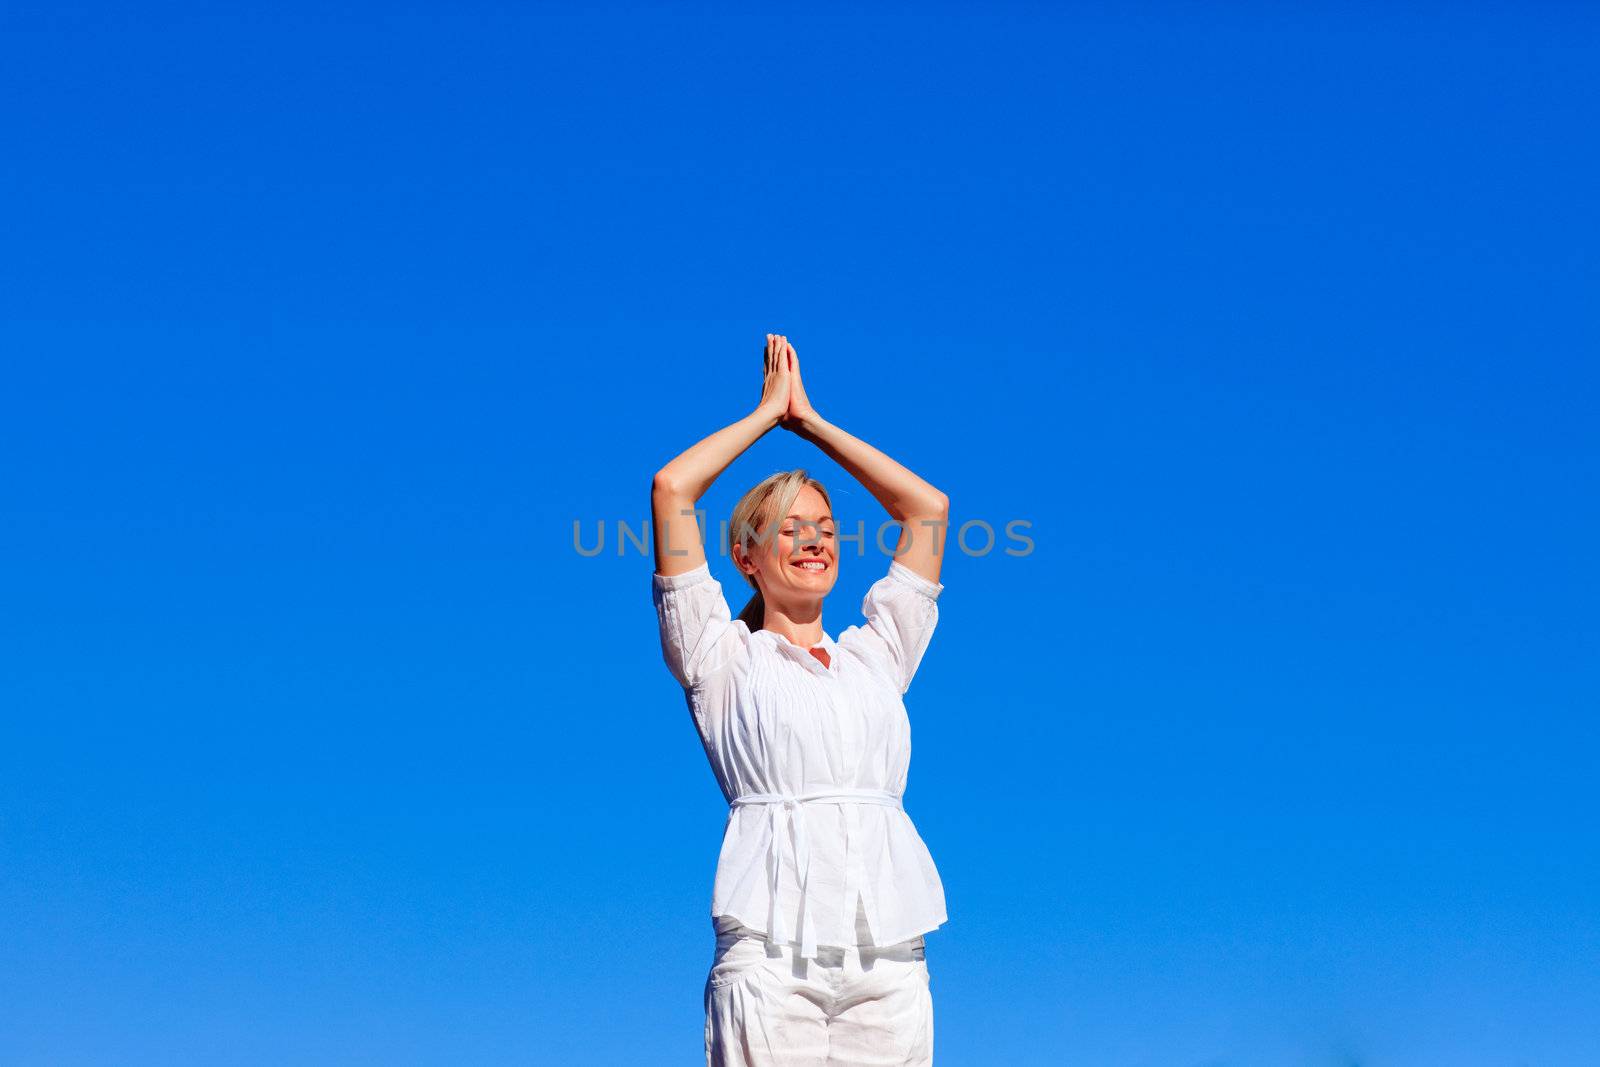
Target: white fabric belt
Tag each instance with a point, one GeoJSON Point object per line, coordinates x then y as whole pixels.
{"type": "Point", "coordinates": [794, 804]}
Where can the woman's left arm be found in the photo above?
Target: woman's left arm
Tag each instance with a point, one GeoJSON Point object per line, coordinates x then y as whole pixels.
{"type": "Point", "coordinates": [922, 511]}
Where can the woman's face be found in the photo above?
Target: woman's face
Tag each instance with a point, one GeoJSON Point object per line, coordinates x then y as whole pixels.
{"type": "Point", "coordinates": [800, 563]}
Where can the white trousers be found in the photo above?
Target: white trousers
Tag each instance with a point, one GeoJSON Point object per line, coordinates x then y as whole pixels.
{"type": "Point", "coordinates": [849, 1007]}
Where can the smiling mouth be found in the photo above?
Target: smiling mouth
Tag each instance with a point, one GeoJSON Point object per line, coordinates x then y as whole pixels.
{"type": "Point", "coordinates": [816, 566]}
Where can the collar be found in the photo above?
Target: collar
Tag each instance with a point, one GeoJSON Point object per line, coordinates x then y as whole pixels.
{"type": "Point", "coordinates": [803, 654]}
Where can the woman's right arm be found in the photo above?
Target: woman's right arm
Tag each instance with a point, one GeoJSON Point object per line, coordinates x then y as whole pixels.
{"type": "Point", "coordinates": [681, 483]}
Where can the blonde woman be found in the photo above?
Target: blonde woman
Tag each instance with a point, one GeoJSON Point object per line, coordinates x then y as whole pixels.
{"type": "Point", "coordinates": [824, 889]}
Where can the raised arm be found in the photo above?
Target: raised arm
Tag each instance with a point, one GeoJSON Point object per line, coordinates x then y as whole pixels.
{"type": "Point", "coordinates": [677, 486]}
{"type": "Point", "coordinates": [922, 511]}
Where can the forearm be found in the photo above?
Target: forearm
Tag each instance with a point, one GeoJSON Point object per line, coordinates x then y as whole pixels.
{"type": "Point", "coordinates": [688, 476]}
{"type": "Point", "coordinates": [903, 495]}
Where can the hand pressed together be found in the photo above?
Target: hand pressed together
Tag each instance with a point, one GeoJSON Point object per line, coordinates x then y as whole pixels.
{"type": "Point", "coordinates": [783, 394]}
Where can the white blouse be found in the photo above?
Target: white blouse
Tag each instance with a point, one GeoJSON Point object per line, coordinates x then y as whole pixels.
{"type": "Point", "coordinates": [812, 760]}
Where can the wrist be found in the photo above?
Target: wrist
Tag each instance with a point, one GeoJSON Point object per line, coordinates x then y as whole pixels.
{"type": "Point", "coordinates": [809, 422]}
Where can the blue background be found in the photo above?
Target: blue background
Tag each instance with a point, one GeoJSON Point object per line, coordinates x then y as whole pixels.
{"type": "Point", "coordinates": [321, 743]}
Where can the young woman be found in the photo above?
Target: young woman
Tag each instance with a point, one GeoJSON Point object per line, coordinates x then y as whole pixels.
{"type": "Point", "coordinates": [824, 888]}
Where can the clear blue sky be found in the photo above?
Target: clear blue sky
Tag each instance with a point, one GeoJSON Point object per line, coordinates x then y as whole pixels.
{"type": "Point", "coordinates": [320, 744]}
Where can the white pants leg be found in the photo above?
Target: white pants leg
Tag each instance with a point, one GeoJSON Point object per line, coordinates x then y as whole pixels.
{"type": "Point", "coordinates": [850, 1007]}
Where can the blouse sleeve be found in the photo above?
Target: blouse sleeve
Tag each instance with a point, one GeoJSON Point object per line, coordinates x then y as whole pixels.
{"type": "Point", "coordinates": [902, 610]}
{"type": "Point", "coordinates": [699, 637]}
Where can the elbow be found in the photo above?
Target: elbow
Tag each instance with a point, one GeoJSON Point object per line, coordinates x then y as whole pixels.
{"type": "Point", "coordinates": [664, 484]}
{"type": "Point", "coordinates": [930, 509]}
{"type": "Point", "coordinates": [936, 506]}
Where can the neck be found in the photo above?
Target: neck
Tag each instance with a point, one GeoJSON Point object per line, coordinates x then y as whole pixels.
{"type": "Point", "coordinates": [802, 627]}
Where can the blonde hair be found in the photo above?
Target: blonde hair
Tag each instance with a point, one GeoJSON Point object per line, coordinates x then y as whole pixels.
{"type": "Point", "coordinates": [770, 498]}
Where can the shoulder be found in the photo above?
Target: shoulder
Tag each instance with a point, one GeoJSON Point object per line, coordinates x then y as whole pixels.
{"type": "Point", "coordinates": [900, 612]}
